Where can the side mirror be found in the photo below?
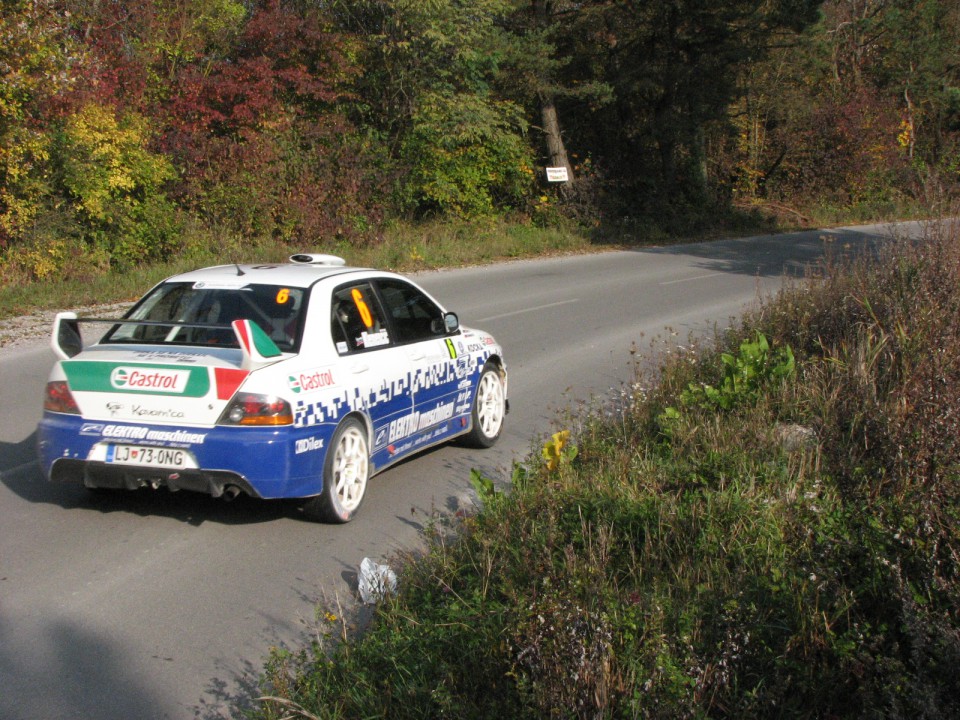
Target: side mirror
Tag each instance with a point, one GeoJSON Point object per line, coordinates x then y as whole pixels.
{"type": "Point", "coordinates": [451, 322]}
{"type": "Point", "coordinates": [447, 325]}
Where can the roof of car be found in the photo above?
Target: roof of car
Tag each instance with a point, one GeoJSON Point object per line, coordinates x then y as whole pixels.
{"type": "Point", "coordinates": [294, 274]}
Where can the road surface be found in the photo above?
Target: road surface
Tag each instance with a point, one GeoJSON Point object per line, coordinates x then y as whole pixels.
{"type": "Point", "coordinates": [160, 605]}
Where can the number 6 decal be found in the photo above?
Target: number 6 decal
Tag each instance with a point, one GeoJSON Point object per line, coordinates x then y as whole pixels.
{"type": "Point", "coordinates": [362, 307]}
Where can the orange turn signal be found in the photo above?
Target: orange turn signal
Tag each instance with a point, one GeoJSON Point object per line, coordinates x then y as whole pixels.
{"type": "Point", "coordinates": [249, 409]}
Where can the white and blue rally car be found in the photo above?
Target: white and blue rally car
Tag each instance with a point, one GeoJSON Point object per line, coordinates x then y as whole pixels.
{"type": "Point", "coordinates": [295, 380]}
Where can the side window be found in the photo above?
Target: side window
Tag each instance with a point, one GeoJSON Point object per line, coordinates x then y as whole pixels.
{"type": "Point", "coordinates": [356, 320]}
{"type": "Point", "coordinates": [415, 316]}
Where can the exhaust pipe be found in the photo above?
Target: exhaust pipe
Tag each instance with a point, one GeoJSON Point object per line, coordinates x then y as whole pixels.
{"type": "Point", "coordinates": [230, 492]}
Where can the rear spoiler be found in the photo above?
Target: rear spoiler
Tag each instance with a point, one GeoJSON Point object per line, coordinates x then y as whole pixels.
{"type": "Point", "coordinates": [257, 347]}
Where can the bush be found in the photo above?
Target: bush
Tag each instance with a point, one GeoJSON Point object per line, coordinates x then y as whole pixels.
{"type": "Point", "coordinates": [469, 157]}
{"type": "Point", "coordinates": [116, 185]}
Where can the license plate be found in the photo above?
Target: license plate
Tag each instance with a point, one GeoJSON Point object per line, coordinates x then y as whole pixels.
{"type": "Point", "coordinates": [150, 456]}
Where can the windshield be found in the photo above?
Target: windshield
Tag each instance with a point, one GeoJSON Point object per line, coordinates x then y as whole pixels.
{"type": "Point", "coordinates": [199, 314]}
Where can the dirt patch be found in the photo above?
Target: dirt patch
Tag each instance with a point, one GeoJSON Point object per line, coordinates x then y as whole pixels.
{"type": "Point", "coordinates": [33, 330]}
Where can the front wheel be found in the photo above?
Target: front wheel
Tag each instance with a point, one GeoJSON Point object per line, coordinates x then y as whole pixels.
{"type": "Point", "coordinates": [346, 469]}
{"type": "Point", "coordinates": [489, 408]}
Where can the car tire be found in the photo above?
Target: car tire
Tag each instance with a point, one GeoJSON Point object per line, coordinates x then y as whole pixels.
{"type": "Point", "coordinates": [346, 469]}
{"type": "Point", "coordinates": [489, 409]}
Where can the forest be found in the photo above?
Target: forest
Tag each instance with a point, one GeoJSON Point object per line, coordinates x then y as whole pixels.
{"type": "Point", "coordinates": [126, 128]}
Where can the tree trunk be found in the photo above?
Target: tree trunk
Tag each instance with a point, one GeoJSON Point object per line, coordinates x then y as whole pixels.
{"type": "Point", "coordinates": [556, 150]}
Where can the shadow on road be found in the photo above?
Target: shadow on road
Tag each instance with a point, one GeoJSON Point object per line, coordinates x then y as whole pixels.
{"type": "Point", "coordinates": [66, 672]}
{"type": "Point", "coordinates": [21, 473]}
{"type": "Point", "coordinates": [791, 254]}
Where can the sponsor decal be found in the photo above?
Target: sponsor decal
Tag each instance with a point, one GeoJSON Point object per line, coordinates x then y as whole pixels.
{"type": "Point", "coordinates": [219, 285]}
{"type": "Point", "coordinates": [94, 429]}
{"type": "Point", "coordinates": [463, 367]}
{"type": "Point", "coordinates": [425, 439]}
{"type": "Point", "coordinates": [125, 432]}
{"type": "Point", "coordinates": [464, 398]}
{"type": "Point", "coordinates": [135, 432]}
{"type": "Point", "coordinates": [451, 349]}
{"type": "Point", "coordinates": [165, 414]}
{"type": "Point", "coordinates": [166, 356]}
{"type": "Point", "coordinates": [417, 421]}
{"type": "Point", "coordinates": [139, 378]}
{"type": "Point", "coordinates": [311, 380]}
{"type": "Point", "coordinates": [308, 445]}
{"type": "Point", "coordinates": [99, 376]}
{"type": "Point", "coordinates": [377, 339]}
{"type": "Point", "coordinates": [474, 347]}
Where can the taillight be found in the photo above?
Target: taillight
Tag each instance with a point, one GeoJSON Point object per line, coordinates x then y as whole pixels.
{"type": "Point", "coordinates": [60, 399]}
{"type": "Point", "coordinates": [251, 409]}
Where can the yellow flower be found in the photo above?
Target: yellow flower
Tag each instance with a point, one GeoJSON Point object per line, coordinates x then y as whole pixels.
{"type": "Point", "coordinates": [553, 449]}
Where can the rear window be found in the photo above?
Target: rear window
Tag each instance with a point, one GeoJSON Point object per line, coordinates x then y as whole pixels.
{"type": "Point", "coordinates": [198, 314]}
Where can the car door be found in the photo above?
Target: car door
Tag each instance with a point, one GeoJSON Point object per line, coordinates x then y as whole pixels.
{"type": "Point", "coordinates": [440, 368]}
{"type": "Point", "coordinates": [378, 373]}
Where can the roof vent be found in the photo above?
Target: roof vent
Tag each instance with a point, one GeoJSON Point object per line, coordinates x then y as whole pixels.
{"type": "Point", "coordinates": [317, 259]}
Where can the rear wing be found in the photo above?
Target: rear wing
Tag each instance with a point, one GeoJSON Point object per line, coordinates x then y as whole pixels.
{"type": "Point", "coordinates": [257, 347]}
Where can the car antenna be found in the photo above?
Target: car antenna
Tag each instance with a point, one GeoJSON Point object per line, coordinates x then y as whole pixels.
{"type": "Point", "coordinates": [239, 271]}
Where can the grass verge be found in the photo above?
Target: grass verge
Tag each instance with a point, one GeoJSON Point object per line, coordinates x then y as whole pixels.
{"type": "Point", "coordinates": [78, 279]}
{"type": "Point", "coordinates": [767, 527]}
{"type": "Point", "coordinates": [403, 247]}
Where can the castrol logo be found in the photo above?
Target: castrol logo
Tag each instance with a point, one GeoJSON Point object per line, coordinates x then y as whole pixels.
{"type": "Point", "coordinates": [311, 380]}
{"type": "Point", "coordinates": [149, 379]}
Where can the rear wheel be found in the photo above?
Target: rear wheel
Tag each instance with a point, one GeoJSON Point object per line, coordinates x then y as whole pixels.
{"type": "Point", "coordinates": [489, 408]}
{"type": "Point", "coordinates": [346, 470]}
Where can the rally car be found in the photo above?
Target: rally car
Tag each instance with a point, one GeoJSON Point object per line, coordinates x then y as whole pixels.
{"type": "Point", "coordinates": [290, 380]}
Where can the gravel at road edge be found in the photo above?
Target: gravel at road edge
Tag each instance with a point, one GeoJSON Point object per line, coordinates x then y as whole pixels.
{"type": "Point", "coordinates": [33, 331]}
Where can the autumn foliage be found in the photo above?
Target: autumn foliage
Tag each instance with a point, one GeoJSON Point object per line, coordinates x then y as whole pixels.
{"type": "Point", "coordinates": [126, 126]}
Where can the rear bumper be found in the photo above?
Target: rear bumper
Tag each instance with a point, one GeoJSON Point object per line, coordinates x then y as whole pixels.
{"type": "Point", "coordinates": [261, 462]}
{"type": "Point", "coordinates": [216, 483]}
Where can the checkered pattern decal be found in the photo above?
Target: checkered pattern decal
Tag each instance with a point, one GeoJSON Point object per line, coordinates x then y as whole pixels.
{"type": "Point", "coordinates": [338, 403]}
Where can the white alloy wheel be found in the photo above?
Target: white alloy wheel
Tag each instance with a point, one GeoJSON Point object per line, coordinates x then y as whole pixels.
{"type": "Point", "coordinates": [489, 408]}
{"type": "Point", "coordinates": [346, 470]}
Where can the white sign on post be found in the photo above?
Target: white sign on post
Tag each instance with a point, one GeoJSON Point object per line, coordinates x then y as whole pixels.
{"type": "Point", "coordinates": [557, 174]}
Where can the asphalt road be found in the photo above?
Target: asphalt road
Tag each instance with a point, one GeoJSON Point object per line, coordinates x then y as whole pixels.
{"type": "Point", "coordinates": [160, 605]}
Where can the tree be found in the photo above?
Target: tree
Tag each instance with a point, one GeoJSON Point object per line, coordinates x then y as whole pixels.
{"type": "Point", "coordinates": [466, 155]}
{"type": "Point", "coordinates": [116, 184]}
{"type": "Point", "coordinates": [537, 69]}
{"type": "Point", "coordinates": [38, 61]}
{"type": "Point", "coordinates": [428, 93]}
{"type": "Point", "coordinates": [260, 133]}
{"type": "Point", "coordinates": [672, 67]}
{"type": "Point", "coordinates": [920, 66]}
{"type": "Point", "coordinates": [865, 109]}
